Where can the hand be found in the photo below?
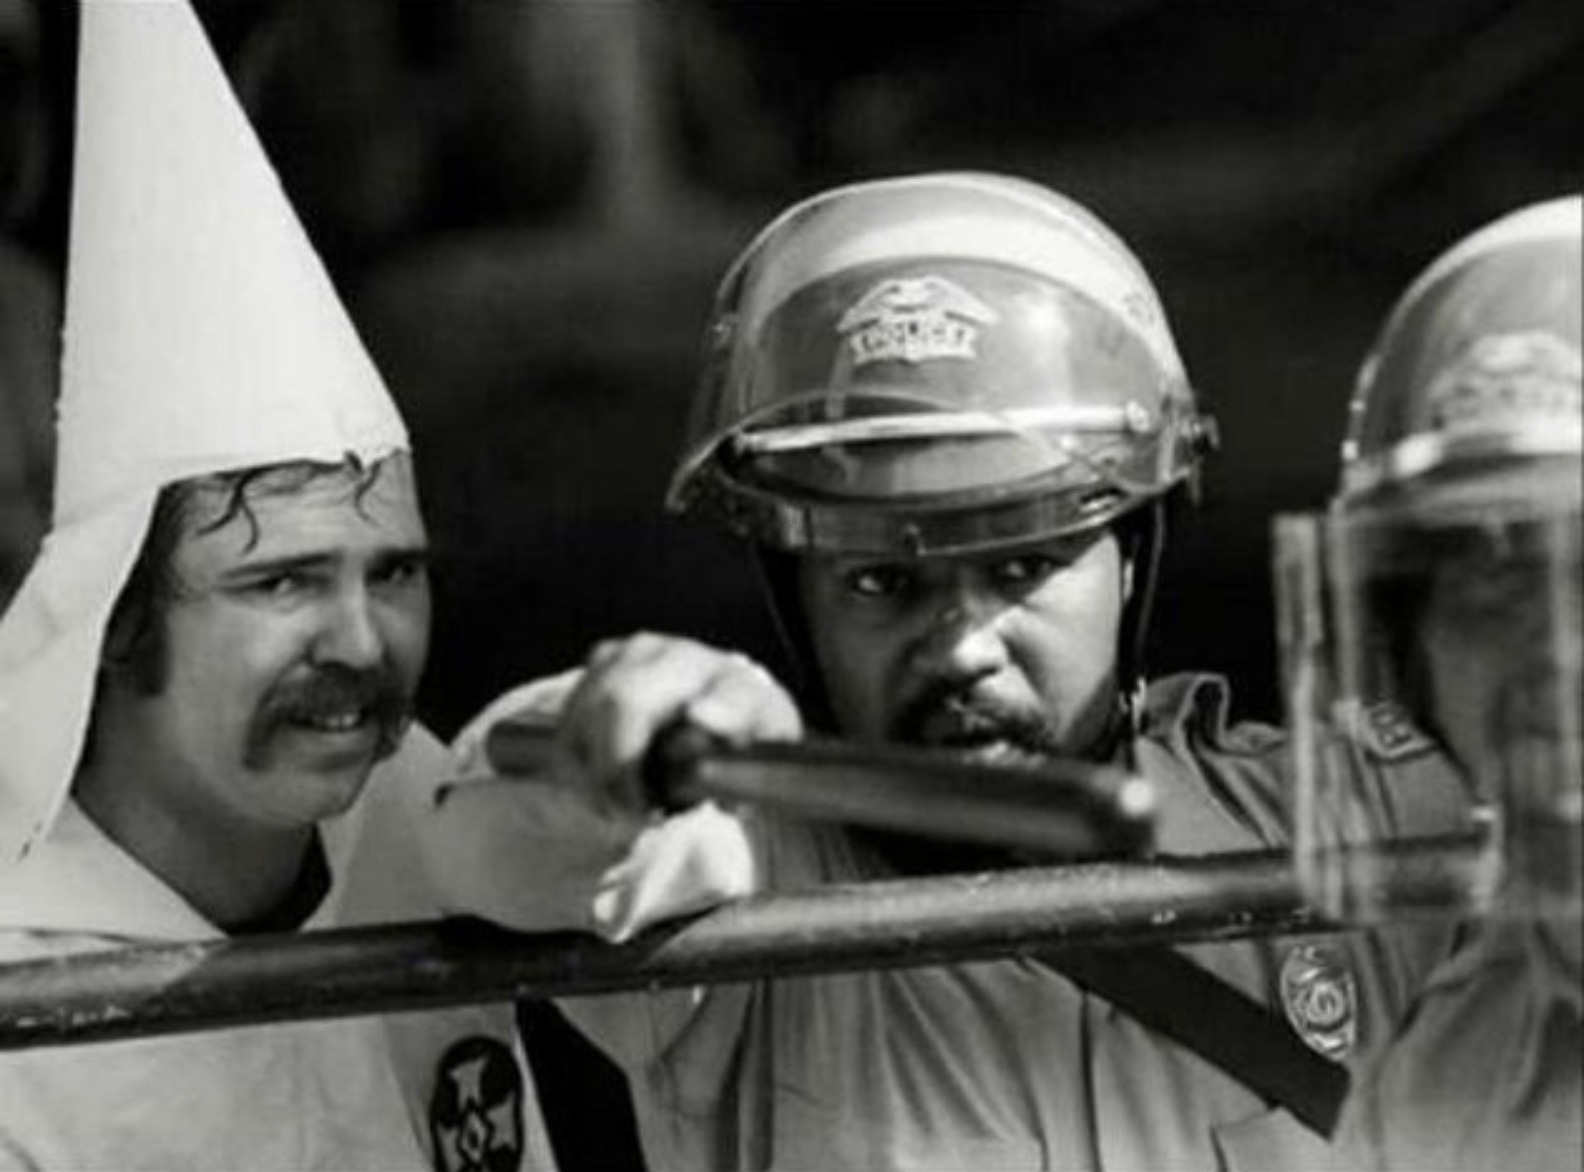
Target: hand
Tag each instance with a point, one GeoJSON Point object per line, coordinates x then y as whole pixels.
{"type": "Point", "coordinates": [632, 688]}
{"type": "Point", "coordinates": [577, 847]}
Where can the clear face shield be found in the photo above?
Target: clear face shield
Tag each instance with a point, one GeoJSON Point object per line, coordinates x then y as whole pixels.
{"type": "Point", "coordinates": [1448, 625]}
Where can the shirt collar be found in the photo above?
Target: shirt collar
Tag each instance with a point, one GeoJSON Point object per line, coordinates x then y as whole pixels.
{"type": "Point", "coordinates": [78, 881]}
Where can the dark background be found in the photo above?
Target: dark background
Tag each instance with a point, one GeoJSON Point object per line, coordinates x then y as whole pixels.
{"type": "Point", "coordinates": [526, 206]}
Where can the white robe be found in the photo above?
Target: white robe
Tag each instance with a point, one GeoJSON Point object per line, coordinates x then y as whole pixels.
{"type": "Point", "coordinates": [356, 1093]}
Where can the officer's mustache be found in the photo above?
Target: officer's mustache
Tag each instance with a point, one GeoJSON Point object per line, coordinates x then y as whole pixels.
{"type": "Point", "coordinates": [377, 696]}
{"type": "Point", "coordinates": [950, 715]}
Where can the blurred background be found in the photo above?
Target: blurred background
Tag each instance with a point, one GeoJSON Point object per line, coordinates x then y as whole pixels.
{"type": "Point", "coordinates": [526, 204]}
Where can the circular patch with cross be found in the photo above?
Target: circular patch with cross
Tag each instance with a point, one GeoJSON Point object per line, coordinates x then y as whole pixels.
{"type": "Point", "coordinates": [475, 1112]}
{"type": "Point", "coordinates": [1321, 1001]}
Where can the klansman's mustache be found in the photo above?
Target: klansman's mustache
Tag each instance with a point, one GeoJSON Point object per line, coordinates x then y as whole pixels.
{"type": "Point", "coordinates": [378, 695]}
{"type": "Point", "coordinates": [336, 687]}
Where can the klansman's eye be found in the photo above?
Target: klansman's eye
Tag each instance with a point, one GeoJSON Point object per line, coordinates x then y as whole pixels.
{"type": "Point", "coordinates": [401, 573]}
{"type": "Point", "coordinates": [279, 586]}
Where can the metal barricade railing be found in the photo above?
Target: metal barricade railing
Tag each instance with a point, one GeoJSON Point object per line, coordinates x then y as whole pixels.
{"type": "Point", "coordinates": [164, 989]}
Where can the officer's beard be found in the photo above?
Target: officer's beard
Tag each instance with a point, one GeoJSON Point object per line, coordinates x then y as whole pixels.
{"type": "Point", "coordinates": [982, 726]}
{"type": "Point", "coordinates": [981, 729]}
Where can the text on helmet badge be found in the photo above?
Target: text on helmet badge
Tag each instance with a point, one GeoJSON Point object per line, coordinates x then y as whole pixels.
{"type": "Point", "coordinates": [914, 319]}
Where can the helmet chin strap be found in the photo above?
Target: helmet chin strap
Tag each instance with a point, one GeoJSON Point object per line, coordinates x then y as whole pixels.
{"type": "Point", "coordinates": [1142, 554]}
{"type": "Point", "coordinates": [777, 573]}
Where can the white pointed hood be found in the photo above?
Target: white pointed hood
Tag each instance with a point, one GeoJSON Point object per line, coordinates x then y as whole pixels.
{"type": "Point", "coordinates": [202, 334]}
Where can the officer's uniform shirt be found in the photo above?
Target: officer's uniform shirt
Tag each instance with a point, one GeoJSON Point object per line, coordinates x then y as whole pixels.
{"type": "Point", "coordinates": [444, 1089]}
{"type": "Point", "coordinates": [1002, 1063]}
{"type": "Point", "coordinates": [1489, 1070]}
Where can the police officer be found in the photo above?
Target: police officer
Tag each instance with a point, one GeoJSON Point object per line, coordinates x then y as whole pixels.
{"type": "Point", "coordinates": [1451, 564]}
{"type": "Point", "coordinates": [947, 412]}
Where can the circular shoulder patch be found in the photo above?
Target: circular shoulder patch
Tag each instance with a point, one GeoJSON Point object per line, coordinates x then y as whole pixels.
{"type": "Point", "coordinates": [475, 1112]}
{"type": "Point", "coordinates": [1320, 998]}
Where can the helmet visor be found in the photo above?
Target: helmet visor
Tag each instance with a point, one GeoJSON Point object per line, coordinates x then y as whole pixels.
{"type": "Point", "coordinates": [1452, 627]}
{"type": "Point", "coordinates": [874, 410]}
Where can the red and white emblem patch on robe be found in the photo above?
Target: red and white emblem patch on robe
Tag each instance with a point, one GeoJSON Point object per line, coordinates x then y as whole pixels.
{"type": "Point", "coordinates": [475, 1113]}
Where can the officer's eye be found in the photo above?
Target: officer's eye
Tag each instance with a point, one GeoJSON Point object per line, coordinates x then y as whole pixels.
{"type": "Point", "coordinates": [878, 581]}
{"type": "Point", "coordinates": [1024, 570]}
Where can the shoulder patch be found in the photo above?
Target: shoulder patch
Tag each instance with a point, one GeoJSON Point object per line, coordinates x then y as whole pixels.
{"type": "Point", "coordinates": [475, 1112]}
{"type": "Point", "coordinates": [1389, 734]}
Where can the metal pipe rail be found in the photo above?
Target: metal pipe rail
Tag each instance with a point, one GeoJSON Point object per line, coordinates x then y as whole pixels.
{"type": "Point", "coordinates": [163, 989]}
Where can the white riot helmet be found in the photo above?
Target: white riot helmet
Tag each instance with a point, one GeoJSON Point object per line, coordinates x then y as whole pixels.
{"type": "Point", "coordinates": [933, 365]}
{"type": "Point", "coordinates": [1437, 606]}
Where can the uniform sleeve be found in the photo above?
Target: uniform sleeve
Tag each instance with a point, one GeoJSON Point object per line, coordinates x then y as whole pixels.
{"type": "Point", "coordinates": [528, 854]}
{"type": "Point", "coordinates": [531, 854]}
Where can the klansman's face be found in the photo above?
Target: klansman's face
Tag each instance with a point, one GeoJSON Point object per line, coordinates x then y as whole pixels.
{"type": "Point", "coordinates": [293, 658]}
{"type": "Point", "coordinates": [998, 652]}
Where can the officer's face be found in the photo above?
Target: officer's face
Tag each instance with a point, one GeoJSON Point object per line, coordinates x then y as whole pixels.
{"type": "Point", "coordinates": [996, 652]}
{"type": "Point", "coordinates": [293, 650]}
{"type": "Point", "coordinates": [1501, 640]}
